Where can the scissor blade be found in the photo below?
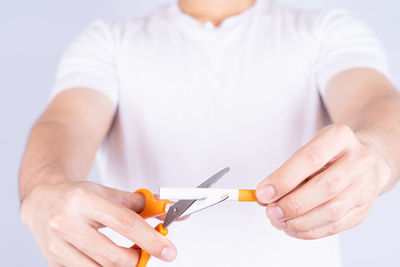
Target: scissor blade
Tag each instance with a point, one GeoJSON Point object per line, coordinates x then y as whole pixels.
{"type": "Point", "coordinates": [213, 179]}
{"type": "Point", "coordinates": [176, 210]}
{"type": "Point", "coordinates": [204, 203]}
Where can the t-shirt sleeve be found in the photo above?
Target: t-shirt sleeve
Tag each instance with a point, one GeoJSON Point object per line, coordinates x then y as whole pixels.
{"type": "Point", "coordinates": [89, 62]}
{"type": "Point", "coordinates": [345, 43]}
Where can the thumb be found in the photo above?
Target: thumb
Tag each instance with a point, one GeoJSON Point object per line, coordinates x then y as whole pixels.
{"type": "Point", "coordinates": [132, 201]}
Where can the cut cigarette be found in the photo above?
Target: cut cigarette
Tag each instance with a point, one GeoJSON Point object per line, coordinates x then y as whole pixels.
{"type": "Point", "coordinates": [173, 193]}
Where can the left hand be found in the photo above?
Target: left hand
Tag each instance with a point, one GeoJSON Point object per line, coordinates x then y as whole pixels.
{"type": "Point", "coordinates": [327, 186]}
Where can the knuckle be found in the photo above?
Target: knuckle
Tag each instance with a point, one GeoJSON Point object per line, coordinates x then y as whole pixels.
{"type": "Point", "coordinates": [296, 225]}
{"type": "Point", "coordinates": [286, 181]}
{"type": "Point", "coordinates": [342, 131]}
{"type": "Point", "coordinates": [313, 154]}
{"type": "Point", "coordinates": [293, 206]}
{"type": "Point", "coordinates": [127, 220]}
{"type": "Point", "coordinates": [111, 259]}
{"type": "Point", "coordinates": [334, 228]}
{"type": "Point", "coordinates": [57, 222]}
{"type": "Point", "coordinates": [335, 211]}
{"type": "Point", "coordinates": [79, 193]}
{"type": "Point", "coordinates": [331, 185]}
{"type": "Point", "coordinates": [308, 235]}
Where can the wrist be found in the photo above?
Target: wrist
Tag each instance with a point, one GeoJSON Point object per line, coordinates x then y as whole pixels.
{"type": "Point", "coordinates": [47, 175]}
{"type": "Point", "coordinates": [384, 170]}
{"type": "Point", "coordinates": [35, 194]}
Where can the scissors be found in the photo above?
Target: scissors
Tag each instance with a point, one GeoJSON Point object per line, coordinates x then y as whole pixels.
{"type": "Point", "coordinates": [179, 209]}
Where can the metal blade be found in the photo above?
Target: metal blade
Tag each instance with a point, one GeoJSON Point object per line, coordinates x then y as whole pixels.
{"type": "Point", "coordinates": [213, 179]}
{"type": "Point", "coordinates": [176, 210]}
{"type": "Point", "coordinates": [203, 204]}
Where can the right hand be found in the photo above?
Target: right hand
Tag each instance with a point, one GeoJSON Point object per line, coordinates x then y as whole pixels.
{"type": "Point", "coordinates": [65, 218]}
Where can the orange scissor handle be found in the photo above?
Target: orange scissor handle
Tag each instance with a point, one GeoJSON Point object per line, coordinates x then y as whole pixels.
{"type": "Point", "coordinates": [152, 208]}
{"type": "Point", "coordinates": [144, 256]}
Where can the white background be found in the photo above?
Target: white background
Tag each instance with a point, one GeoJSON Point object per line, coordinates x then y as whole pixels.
{"type": "Point", "coordinates": [32, 37]}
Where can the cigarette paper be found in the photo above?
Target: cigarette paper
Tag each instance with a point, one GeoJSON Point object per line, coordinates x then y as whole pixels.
{"type": "Point", "coordinates": [174, 193]}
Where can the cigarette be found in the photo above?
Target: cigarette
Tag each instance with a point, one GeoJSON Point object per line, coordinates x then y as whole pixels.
{"type": "Point", "coordinates": [174, 193]}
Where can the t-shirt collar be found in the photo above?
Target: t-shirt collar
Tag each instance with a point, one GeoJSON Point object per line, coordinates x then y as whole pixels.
{"type": "Point", "coordinates": [188, 20]}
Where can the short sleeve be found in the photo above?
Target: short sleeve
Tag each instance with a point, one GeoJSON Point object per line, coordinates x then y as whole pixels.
{"type": "Point", "coordinates": [345, 43]}
{"type": "Point", "coordinates": [90, 62]}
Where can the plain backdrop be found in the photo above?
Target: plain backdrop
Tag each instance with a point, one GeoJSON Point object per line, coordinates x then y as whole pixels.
{"type": "Point", "coordinates": [32, 36]}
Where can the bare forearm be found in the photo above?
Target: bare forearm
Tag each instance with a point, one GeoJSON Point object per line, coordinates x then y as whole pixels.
{"type": "Point", "coordinates": [378, 125]}
{"type": "Point", "coordinates": [64, 140]}
{"type": "Point", "coordinates": [54, 152]}
{"type": "Point", "coordinates": [368, 102]}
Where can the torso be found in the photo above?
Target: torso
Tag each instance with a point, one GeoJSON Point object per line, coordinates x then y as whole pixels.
{"type": "Point", "coordinates": [195, 99]}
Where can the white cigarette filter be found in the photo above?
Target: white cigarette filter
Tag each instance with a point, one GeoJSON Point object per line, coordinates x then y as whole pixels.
{"type": "Point", "coordinates": [174, 193]}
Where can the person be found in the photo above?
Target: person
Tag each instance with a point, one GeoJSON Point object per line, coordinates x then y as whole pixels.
{"type": "Point", "coordinates": [299, 104]}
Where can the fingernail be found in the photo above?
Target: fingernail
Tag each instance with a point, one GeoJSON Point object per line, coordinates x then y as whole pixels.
{"type": "Point", "coordinates": [168, 253]}
{"type": "Point", "coordinates": [265, 193]}
{"type": "Point", "coordinates": [275, 213]}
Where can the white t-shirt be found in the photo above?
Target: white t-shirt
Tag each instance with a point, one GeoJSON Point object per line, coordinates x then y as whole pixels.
{"type": "Point", "coordinates": [192, 98]}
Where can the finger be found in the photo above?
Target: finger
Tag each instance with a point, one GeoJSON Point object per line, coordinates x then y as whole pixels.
{"type": "Point", "coordinates": [67, 255]}
{"type": "Point", "coordinates": [321, 188]}
{"type": "Point", "coordinates": [129, 200]}
{"type": "Point", "coordinates": [328, 212]}
{"type": "Point", "coordinates": [100, 248]}
{"type": "Point", "coordinates": [328, 145]}
{"type": "Point", "coordinates": [127, 223]}
{"type": "Point", "coordinates": [351, 219]}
